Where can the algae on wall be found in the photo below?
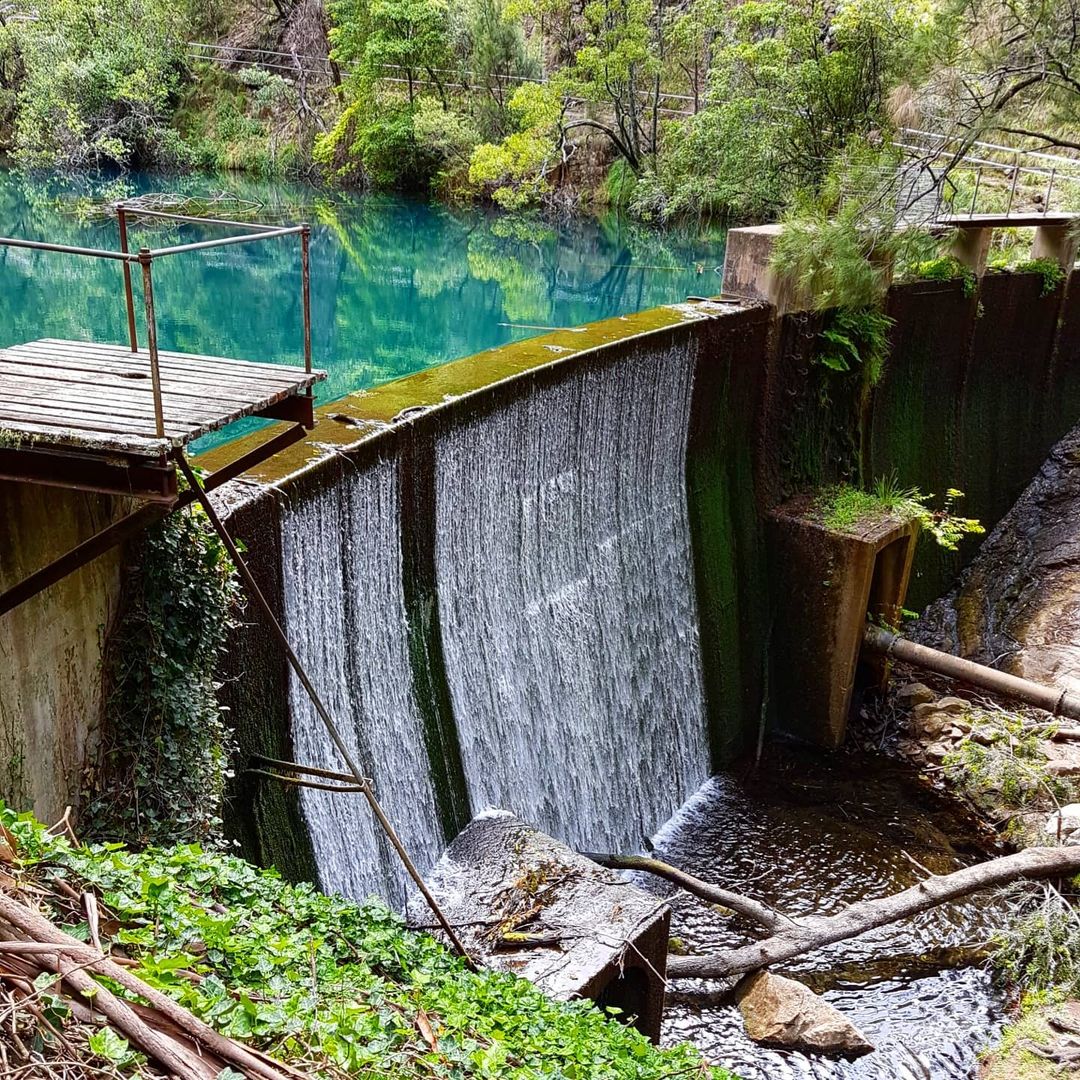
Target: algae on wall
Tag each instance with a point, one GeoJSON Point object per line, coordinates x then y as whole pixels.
{"type": "Point", "coordinates": [51, 646]}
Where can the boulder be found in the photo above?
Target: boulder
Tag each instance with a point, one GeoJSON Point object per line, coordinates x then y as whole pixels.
{"type": "Point", "coordinates": [783, 1013]}
{"type": "Point", "coordinates": [1062, 759]}
{"type": "Point", "coordinates": [914, 693]}
{"type": "Point", "coordinates": [1017, 604]}
{"type": "Point", "coordinates": [1063, 821]}
{"type": "Point", "coordinates": [931, 718]}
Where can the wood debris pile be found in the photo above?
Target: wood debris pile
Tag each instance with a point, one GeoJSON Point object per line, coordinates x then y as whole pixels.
{"type": "Point", "coordinates": [69, 1010]}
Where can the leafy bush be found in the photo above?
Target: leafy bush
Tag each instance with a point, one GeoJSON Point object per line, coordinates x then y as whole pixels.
{"type": "Point", "coordinates": [514, 172]}
{"type": "Point", "coordinates": [947, 268]}
{"type": "Point", "coordinates": [329, 984]}
{"type": "Point", "coordinates": [97, 82]}
{"type": "Point", "coordinates": [1040, 948]}
{"type": "Point", "coordinates": [1050, 270]}
{"type": "Point", "coordinates": [856, 337]}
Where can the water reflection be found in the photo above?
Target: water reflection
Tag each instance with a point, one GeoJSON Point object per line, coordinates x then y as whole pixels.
{"type": "Point", "coordinates": [397, 284]}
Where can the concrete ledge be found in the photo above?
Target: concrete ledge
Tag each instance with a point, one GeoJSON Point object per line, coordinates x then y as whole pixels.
{"type": "Point", "coordinates": [828, 583]}
{"type": "Point", "coordinates": [529, 905]}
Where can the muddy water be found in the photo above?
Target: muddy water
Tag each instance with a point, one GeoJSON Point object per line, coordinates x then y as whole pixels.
{"type": "Point", "coordinates": [812, 834]}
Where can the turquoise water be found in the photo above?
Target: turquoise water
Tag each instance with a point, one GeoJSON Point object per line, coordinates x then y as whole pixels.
{"type": "Point", "coordinates": [397, 284]}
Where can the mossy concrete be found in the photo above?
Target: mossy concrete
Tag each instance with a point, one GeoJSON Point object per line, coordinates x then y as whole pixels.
{"type": "Point", "coordinates": [826, 583]}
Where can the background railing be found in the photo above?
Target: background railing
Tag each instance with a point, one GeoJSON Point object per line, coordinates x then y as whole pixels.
{"type": "Point", "coordinates": [145, 258]}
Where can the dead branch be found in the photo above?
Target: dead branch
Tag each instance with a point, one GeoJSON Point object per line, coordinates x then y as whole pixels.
{"type": "Point", "coordinates": [757, 912]}
{"type": "Point", "coordinates": [816, 931]}
{"type": "Point", "coordinates": [71, 951]}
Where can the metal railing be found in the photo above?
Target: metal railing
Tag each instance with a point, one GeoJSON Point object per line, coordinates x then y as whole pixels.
{"type": "Point", "coordinates": [1013, 162]}
{"type": "Point", "coordinates": [145, 257]}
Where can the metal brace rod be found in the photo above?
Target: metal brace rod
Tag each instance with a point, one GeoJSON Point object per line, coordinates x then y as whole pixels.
{"type": "Point", "coordinates": [261, 602]}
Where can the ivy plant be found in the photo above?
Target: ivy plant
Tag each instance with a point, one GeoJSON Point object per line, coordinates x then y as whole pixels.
{"type": "Point", "coordinates": [334, 987]}
{"type": "Point", "coordinates": [166, 745]}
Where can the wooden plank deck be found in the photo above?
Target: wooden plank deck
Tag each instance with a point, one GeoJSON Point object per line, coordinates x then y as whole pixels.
{"type": "Point", "coordinates": [100, 397]}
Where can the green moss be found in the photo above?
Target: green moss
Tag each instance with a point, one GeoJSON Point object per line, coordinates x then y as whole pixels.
{"type": "Point", "coordinates": [1050, 270]}
{"type": "Point", "coordinates": [947, 268]}
{"type": "Point", "coordinates": [1013, 1059]}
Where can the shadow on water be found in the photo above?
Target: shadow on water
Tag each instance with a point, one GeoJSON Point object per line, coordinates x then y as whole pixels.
{"type": "Point", "coordinates": [812, 833]}
{"type": "Point", "coordinates": [397, 284]}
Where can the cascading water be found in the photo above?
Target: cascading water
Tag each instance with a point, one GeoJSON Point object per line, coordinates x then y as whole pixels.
{"type": "Point", "coordinates": [566, 601]}
{"type": "Point", "coordinates": [345, 614]}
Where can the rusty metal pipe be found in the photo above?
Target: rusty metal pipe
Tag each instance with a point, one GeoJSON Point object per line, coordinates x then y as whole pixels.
{"type": "Point", "coordinates": [1052, 699]}
{"type": "Point", "coordinates": [145, 259]}
{"type": "Point", "coordinates": [251, 226]}
{"type": "Point", "coordinates": [202, 245]}
{"type": "Point", "coordinates": [305, 288]}
{"type": "Point", "coordinates": [129, 298]}
{"type": "Point", "coordinates": [66, 249]}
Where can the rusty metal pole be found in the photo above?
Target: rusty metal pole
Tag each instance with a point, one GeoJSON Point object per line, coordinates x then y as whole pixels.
{"type": "Point", "coordinates": [305, 286]}
{"type": "Point", "coordinates": [1052, 699]}
{"type": "Point", "coordinates": [362, 781]}
{"type": "Point", "coordinates": [133, 337]}
{"type": "Point", "coordinates": [145, 260]}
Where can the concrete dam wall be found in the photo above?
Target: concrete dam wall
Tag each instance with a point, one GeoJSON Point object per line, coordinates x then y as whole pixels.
{"type": "Point", "coordinates": [538, 577]}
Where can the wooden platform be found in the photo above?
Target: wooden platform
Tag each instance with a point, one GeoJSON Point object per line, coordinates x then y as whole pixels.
{"type": "Point", "coordinates": [99, 398]}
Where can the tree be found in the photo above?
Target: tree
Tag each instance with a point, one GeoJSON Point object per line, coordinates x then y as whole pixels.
{"type": "Point", "coordinates": [1005, 66]}
{"type": "Point", "coordinates": [95, 80]}
{"type": "Point", "coordinates": [792, 82]}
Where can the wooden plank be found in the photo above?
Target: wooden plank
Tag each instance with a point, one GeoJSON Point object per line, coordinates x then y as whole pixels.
{"type": "Point", "coordinates": [1018, 220]}
{"type": "Point", "coordinates": [188, 410]}
{"type": "Point", "coordinates": [14, 411]}
{"type": "Point", "coordinates": [228, 393]}
{"type": "Point", "coordinates": [50, 433]}
{"type": "Point", "coordinates": [104, 382]}
{"type": "Point", "coordinates": [121, 393]}
{"type": "Point", "coordinates": [138, 367]}
{"type": "Point", "coordinates": [293, 372]}
{"type": "Point", "coordinates": [69, 356]}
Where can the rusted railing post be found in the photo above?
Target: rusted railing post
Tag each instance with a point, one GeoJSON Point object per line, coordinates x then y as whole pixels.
{"type": "Point", "coordinates": [133, 337]}
{"type": "Point", "coordinates": [145, 260]}
{"type": "Point", "coordinates": [305, 286]}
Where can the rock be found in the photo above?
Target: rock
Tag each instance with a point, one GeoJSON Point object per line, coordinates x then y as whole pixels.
{"type": "Point", "coordinates": [931, 718]}
{"type": "Point", "coordinates": [782, 1012]}
{"type": "Point", "coordinates": [1063, 821]}
{"type": "Point", "coordinates": [914, 693]}
{"type": "Point", "coordinates": [937, 751]}
{"type": "Point", "coordinates": [1062, 759]}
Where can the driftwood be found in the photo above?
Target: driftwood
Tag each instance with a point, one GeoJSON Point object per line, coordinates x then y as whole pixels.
{"type": "Point", "coordinates": [757, 912]}
{"type": "Point", "coordinates": [794, 938]}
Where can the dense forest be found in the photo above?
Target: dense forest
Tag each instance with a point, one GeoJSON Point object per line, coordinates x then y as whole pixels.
{"type": "Point", "coordinates": [668, 108]}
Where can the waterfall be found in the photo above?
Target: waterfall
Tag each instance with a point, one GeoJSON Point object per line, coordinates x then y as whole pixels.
{"type": "Point", "coordinates": [566, 601]}
{"type": "Point", "coordinates": [345, 615]}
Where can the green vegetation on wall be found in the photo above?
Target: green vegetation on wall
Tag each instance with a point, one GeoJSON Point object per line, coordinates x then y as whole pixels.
{"type": "Point", "coordinates": [166, 746]}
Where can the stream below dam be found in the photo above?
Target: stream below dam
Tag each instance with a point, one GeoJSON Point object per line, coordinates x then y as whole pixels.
{"type": "Point", "coordinates": [808, 833]}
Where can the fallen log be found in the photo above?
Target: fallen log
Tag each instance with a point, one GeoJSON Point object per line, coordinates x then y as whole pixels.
{"type": "Point", "coordinates": [816, 931]}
